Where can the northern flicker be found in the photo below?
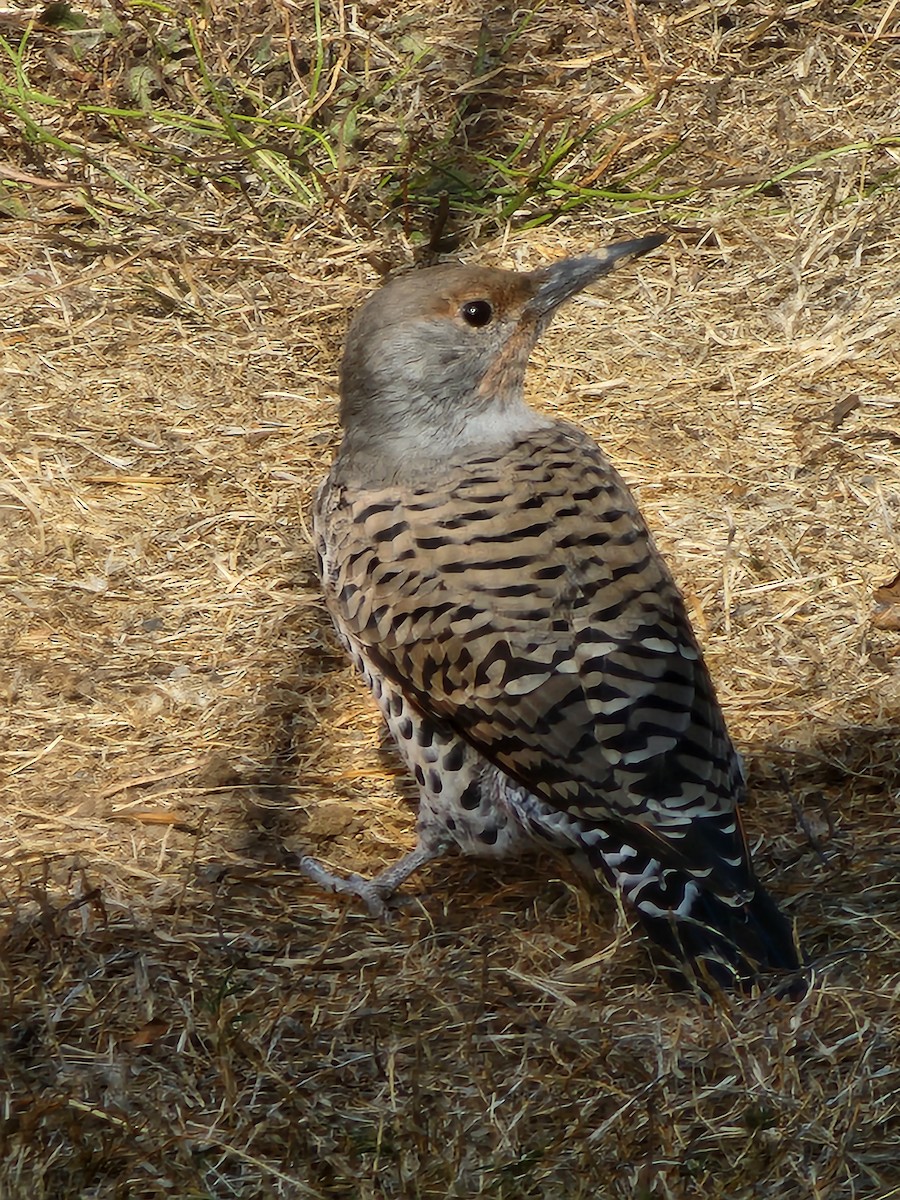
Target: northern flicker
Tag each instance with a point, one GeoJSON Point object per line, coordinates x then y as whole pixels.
{"type": "Point", "coordinates": [492, 579]}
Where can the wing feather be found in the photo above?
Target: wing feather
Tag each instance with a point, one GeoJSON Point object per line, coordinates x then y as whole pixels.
{"type": "Point", "coordinates": [548, 632]}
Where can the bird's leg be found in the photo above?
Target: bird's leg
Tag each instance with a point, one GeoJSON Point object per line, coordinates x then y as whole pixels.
{"type": "Point", "coordinates": [379, 889]}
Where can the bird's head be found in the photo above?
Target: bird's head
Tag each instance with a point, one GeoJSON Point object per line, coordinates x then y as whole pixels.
{"type": "Point", "coordinates": [435, 360]}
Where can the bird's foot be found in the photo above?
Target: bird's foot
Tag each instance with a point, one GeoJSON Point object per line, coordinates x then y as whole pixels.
{"type": "Point", "coordinates": [351, 885]}
{"type": "Point", "coordinates": [375, 892]}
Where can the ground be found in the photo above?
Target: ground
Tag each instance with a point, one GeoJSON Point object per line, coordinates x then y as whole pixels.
{"type": "Point", "coordinates": [192, 200]}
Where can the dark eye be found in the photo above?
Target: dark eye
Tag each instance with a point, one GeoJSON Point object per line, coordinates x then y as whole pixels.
{"type": "Point", "coordinates": [477, 312]}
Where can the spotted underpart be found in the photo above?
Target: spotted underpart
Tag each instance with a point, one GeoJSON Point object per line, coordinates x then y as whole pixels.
{"type": "Point", "coordinates": [491, 576]}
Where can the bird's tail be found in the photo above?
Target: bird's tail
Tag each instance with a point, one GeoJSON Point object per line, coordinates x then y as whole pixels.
{"type": "Point", "coordinates": [711, 938]}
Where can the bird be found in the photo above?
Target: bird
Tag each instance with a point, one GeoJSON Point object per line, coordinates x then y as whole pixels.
{"type": "Point", "coordinates": [492, 579]}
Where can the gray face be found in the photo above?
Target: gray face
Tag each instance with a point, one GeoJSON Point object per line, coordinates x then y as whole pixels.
{"type": "Point", "coordinates": [435, 361]}
{"type": "Point", "coordinates": [419, 350]}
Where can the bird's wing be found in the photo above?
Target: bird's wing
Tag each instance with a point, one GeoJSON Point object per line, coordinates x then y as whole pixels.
{"type": "Point", "coordinates": [528, 608]}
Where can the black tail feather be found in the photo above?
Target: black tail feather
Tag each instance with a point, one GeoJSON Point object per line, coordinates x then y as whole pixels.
{"type": "Point", "coordinates": [734, 947]}
{"type": "Point", "coordinates": [710, 938]}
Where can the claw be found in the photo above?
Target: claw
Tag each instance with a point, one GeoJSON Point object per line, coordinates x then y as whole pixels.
{"type": "Point", "coordinates": [376, 892]}
{"type": "Point", "coordinates": [350, 885]}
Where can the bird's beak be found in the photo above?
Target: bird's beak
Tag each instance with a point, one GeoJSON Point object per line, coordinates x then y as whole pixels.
{"type": "Point", "coordinates": [562, 280]}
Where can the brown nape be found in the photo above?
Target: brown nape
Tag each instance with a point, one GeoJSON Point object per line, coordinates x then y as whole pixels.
{"type": "Point", "coordinates": [441, 291]}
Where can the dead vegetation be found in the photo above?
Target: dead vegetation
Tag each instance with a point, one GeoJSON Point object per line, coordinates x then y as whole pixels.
{"type": "Point", "coordinates": [192, 199]}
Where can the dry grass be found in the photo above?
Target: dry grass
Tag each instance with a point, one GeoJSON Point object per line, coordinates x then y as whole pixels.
{"type": "Point", "coordinates": [192, 200]}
